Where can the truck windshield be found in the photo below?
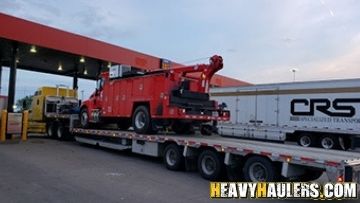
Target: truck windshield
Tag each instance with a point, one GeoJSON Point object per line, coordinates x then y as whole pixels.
{"type": "Point", "coordinates": [99, 84]}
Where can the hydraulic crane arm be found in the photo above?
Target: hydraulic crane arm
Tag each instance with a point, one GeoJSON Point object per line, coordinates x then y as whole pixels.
{"type": "Point", "coordinates": [205, 72]}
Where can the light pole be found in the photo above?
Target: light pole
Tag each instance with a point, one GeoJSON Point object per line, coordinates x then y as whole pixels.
{"type": "Point", "coordinates": [294, 70]}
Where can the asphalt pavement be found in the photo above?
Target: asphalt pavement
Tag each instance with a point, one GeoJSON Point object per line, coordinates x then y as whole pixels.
{"type": "Point", "coordinates": [46, 170]}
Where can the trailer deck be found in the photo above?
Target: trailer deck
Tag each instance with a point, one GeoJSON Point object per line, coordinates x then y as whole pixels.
{"type": "Point", "coordinates": [238, 146]}
{"type": "Point", "coordinates": [333, 162]}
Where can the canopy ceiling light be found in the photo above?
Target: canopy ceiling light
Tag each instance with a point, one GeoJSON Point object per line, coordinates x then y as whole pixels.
{"type": "Point", "coordinates": [60, 67]}
{"type": "Point", "coordinates": [33, 49]}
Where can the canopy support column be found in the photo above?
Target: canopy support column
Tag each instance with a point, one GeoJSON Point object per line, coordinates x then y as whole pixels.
{"type": "Point", "coordinates": [12, 77]}
{"type": "Point", "coordinates": [75, 77]}
{"type": "Point", "coordinates": [1, 69]}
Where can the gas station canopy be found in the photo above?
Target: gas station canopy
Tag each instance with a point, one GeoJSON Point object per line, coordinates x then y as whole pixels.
{"type": "Point", "coordinates": [35, 47]}
{"type": "Point", "coordinates": [44, 49]}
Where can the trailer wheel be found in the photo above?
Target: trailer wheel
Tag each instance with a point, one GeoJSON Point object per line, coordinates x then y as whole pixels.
{"type": "Point", "coordinates": [306, 140]}
{"type": "Point", "coordinates": [141, 120]}
{"type": "Point", "coordinates": [210, 165]}
{"type": "Point", "coordinates": [260, 169]}
{"type": "Point", "coordinates": [328, 142]}
{"type": "Point", "coordinates": [84, 118]}
{"type": "Point", "coordinates": [173, 158]}
{"type": "Point", "coordinates": [50, 130]}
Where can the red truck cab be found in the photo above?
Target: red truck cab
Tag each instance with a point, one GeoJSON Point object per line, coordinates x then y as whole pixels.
{"type": "Point", "coordinates": [176, 97]}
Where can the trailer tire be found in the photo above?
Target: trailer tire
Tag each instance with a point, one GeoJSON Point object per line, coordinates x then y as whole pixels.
{"type": "Point", "coordinates": [84, 118]}
{"type": "Point", "coordinates": [210, 165]}
{"type": "Point", "coordinates": [260, 169]}
{"type": "Point", "coordinates": [306, 140]}
{"type": "Point", "coordinates": [51, 129]}
{"type": "Point", "coordinates": [329, 142]}
{"type": "Point", "coordinates": [173, 158]}
{"type": "Point", "coordinates": [141, 120]}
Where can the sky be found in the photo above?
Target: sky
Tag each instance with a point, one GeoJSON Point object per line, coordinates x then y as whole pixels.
{"type": "Point", "coordinates": [261, 41]}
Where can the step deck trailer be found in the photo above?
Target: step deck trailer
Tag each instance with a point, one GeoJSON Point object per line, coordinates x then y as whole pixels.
{"type": "Point", "coordinates": [214, 153]}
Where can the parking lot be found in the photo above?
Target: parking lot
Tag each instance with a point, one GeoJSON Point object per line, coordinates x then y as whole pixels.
{"type": "Point", "coordinates": [47, 170]}
{"type": "Point", "coordinates": [52, 171]}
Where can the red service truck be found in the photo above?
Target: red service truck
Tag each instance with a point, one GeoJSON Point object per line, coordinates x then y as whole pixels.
{"type": "Point", "coordinates": [176, 97]}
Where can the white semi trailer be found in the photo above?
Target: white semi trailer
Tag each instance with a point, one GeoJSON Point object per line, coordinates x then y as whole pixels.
{"type": "Point", "coordinates": [319, 113]}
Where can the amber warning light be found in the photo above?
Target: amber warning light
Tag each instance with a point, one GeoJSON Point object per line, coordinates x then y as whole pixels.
{"type": "Point", "coordinates": [165, 64]}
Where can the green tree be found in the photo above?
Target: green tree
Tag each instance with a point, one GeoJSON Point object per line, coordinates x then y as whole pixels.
{"type": "Point", "coordinates": [24, 103]}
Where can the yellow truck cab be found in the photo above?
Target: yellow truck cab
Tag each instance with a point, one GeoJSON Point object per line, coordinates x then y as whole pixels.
{"type": "Point", "coordinates": [51, 109]}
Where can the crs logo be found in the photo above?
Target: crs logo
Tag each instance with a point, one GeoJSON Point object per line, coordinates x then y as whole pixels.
{"type": "Point", "coordinates": [342, 107]}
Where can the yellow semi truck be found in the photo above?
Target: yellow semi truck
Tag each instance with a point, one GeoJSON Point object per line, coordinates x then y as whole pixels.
{"type": "Point", "coordinates": [51, 109]}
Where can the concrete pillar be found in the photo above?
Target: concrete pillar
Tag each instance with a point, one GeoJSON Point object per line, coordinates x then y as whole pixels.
{"type": "Point", "coordinates": [12, 77]}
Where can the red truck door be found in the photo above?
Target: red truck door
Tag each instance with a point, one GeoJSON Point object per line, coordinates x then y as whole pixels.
{"type": "Point", "coordinates": [106, 98]}
{"type": "Point", "coordinates": [123, 98]}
